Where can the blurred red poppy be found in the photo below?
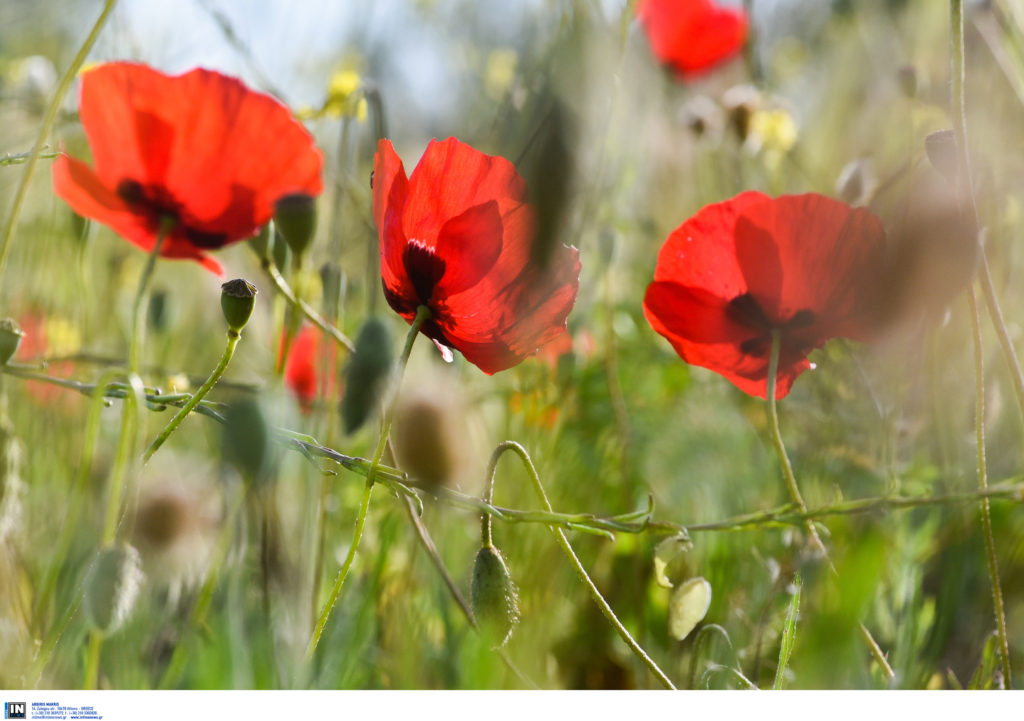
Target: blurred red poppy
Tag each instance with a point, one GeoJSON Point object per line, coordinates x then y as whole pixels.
{"type": "Point", "coordinates": [199, 149]}
{"type": "Point", "coordinates": [803, 265]}
{"type": "Point", "coordinates": [692, 35]}
{"type": "Point", "coordinates": [311, 362]}
{"type": "Point", "coordinates": [455, 237]}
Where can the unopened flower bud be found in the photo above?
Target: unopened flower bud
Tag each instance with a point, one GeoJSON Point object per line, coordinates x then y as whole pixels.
{"type": "Point", "coordinates": [237, 299]}
{"type": "Point", "coordinates": [295, 218]}
{"type": "Point", "coordinates": [247, 441]}
{"type": "Point", "coordinates": [10, 338]}
{"type": "Point", "coordinates": [367, 375]}
{"type": "Point", "coordinates": [279, 252]}
{"type": "Point", "coordinates": [494, 594]}
{"type": "Point", "coordinates": [261, 242]}
{"type": "Point", "coordinates": [941, 149]}
{"type": "Point", "coordinates": [111, 587]}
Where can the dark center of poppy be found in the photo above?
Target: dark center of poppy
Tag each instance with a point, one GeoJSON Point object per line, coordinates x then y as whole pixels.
{"type": "Point", "coordinates": [424, 269]}
{"type": "Point", "coordinates": [744, 310]}
{"type": "Point", "coordinates": [155, 204]}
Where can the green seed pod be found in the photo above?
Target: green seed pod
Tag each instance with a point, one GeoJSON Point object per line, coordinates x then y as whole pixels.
{"type": "Point", "coordinates": [424, 444]}
{"type": "Point", "coordinates": [10, 338]}
{"type": "Point", "coordinates": [367, 374]}
{"type": "Point", "coordinates": [157, 311]}
{"type": "Point", "coordinates": [295, 218]}
{"type": "Point", "coordinates": [261, 242]}
{"type": "Point", "coordinates": [111, 587]}
{"type": "Point", "coordinates": [237, 299]}
{"type": "Point", "coordinates": [495, 598]}
{"type": "Point", "coordinates": [280, 252]}
{"type": "Point", "coordinates": [247, 443]}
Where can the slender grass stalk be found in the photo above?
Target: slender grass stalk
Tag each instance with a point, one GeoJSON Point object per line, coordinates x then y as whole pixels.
{"type": "Point", "coordinates": [986, 515]}
{"type": "Point", "coordinates": [48, 120]}
{"type": "Point", "coordinates": [197, 397]}
{"type": "Point", "coordinates": [303, 307]}
{"type": "Point", "coordinates": [958, 62]}
{"type": "Point", "coordinates": [422, 314]}
{"type": "Point", "coordinates": [581, 572]}
{"type": "Point", "coordinates": [794, 490]}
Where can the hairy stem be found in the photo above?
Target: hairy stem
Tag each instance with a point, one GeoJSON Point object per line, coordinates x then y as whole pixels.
{"type": "Point", "coordinates": [422, 314]}
{"type": "Point", "coordinates": [581, 572]}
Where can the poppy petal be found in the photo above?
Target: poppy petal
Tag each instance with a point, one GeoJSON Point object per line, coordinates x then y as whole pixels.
{"type": "Point", "coordinates": [452, 177]}
{"type": "Point", "coordinates": [470, 243]}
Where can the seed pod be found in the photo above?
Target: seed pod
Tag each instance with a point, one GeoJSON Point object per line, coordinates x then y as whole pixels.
{"type": "Point", "coordinates": [237, 299]}
{"type": "Point", "coordinates": [10, 338]}
{"type": "Point", "coordinates": [261, 242]}
{"type": "Point", "coordinates": [111, 587]}
{"type": "Point", "coordinates": [246, 441]}
{"type": "Point", "coordinates": [494, 594]}
{"type": "Point", "coordinates": [295, 218]}
{"type": "Point", "coordinates": [367, 374]}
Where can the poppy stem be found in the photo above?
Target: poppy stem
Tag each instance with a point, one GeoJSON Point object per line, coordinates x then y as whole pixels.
{"type": "Point", "coordinates": [986, 515]}
{"type": "Point", "coordinates": [422, 315]}
{"type": "Point", "coordinates": [303, 307]}
{"type": "Point", "coordinates": [780, 448]}
{"type": "Point", "coordinates": [229, 351]}
{"type": "Point", "coordinates": [581, 572]}
{"type": "Point", "coordinates": [797, 498]}
{"type": "Point", "coordinates": [959, 103]}
{"type": "Point", "coordinates": [138, 333]}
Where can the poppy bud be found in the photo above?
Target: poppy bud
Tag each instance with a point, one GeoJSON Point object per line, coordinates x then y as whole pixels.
{"type": "Point", "coordinates": [549, 175]}
{"type": "Point", "coordinates": [941, 149]}
{"type": "Point", "coordinates": [494, 594]}
{"type": "Point", "coordinates": [246, 440]}
{"type": "Point", "coordinates": [280, 251]}
{"type": "Point", "coordinates": [261, 242]}
{"type": "Point", "coordinates": [907, 78]}
{"type": "Point", "coordinates": [10, 338]}
{"type": "Point", "coordinates": [237, 299]}
{"type": "Point", "coordinates": [367, 374]}
{"type": "Point", "coordinates": [111, 588]}
{"type": "Point", "coordinates": [157, 310]}
{"type": "Point", "coordinates": [295, 218]}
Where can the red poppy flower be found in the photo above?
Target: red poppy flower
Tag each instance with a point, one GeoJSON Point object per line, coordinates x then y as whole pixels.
{"type": "Point", "coordinates": [200, 149]}
{"type": "Point", "coordinates": [455, 237]}
{"type": "Point", "coordinates": [692, 35]}
{"type": "Point", "coordinates": [803, 265]}
{"type": "Point", "coordinates": [307, 365]}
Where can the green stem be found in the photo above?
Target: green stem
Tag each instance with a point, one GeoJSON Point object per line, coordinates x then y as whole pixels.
{"type": "Point", "coordinates": [229, 351]}
{"type": "Point", "coordinates": [581, 572]}
{"type": "Point", "coordinates": [302, 306]}
{"type": "Point", "coordinates": [422, 314]}
{"type": "Point", "coordinates": [959, 75]}
{"type": "Point", "coordinates": [138, 333]}
{"type": "Point", "coordinates": [794, 489]}
{"type": "Point", "coordinates": [780, 448]}
{"type": "Point", "coordinates": [986, 515]}
{"type": "Point", "coordinates": [44, 130]}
